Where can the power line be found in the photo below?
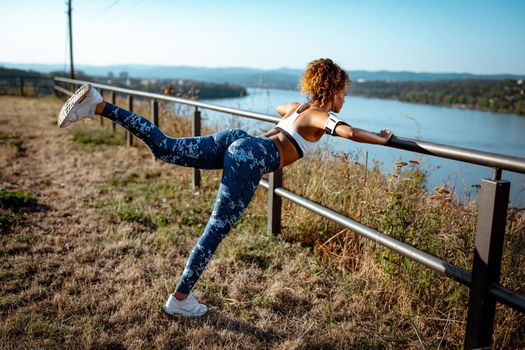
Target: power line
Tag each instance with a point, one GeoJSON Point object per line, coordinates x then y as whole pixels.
{"type": "Point", "coordinates": [111, 5]}
{"type": "Point", "coordinates": [99, 9]}
{"type": "Point", "coordinates": [109, 11]}
{"type": "Point", "coordinates": [129, 8]}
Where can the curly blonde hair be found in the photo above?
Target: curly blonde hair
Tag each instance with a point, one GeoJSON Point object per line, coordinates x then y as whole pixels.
{"type": "Point", "coordinates": [321, 79]}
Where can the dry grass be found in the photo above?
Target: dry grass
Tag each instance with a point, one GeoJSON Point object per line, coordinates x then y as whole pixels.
{"type": "Point", "coordinates": [91, 263]}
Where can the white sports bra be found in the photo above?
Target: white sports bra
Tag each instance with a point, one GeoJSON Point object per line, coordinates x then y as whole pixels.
{"type": "Point", "coordinates": [304, 147]}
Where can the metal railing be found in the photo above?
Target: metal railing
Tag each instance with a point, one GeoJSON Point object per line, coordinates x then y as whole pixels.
{"type": "Point", "coordinates": [483, 281]}
{"type": "Point", "coordinates": [26, 85]}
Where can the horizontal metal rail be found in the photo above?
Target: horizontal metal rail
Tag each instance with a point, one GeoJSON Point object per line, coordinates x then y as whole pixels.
{"type": "Point", "coordinates": [430, 261]}
{"type": "Point", "coordinates": [248, 114]}
{"type": "Point", "coordinates": [62, 90]}
{"type": "Point", "coordinates": [493, 160]}
{"type": "Point", "coordinates": [508, 297]}
{"type": "Point", "coordinates": [434, 263]}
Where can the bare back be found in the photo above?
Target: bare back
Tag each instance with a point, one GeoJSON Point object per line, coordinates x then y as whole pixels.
{"type": "Point", "coordinates": [309, 124]}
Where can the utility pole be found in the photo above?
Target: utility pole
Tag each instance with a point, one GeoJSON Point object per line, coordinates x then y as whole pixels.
{"type": "Point", "coordinates": [70, 40]}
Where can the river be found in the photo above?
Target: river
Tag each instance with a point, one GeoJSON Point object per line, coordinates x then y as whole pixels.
{"type": "Point", "coordinates": [485, 131]}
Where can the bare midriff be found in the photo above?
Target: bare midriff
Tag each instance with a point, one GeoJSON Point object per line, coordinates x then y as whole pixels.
{"type": "Point", "coordinates": [287, 151]}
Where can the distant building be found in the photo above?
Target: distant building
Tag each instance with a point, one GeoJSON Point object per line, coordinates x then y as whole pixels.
{"type": "Point", "coordinates": [148, 81]}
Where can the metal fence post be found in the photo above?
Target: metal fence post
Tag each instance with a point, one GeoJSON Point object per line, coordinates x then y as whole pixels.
{"type": "Point", "coordinates": [196, 131]}
{"type": "Point", "coordinates": [490, 232]}
{"type": "Point", "coordinates": [274, 202]}
{"type": "Point", "coordinates": [113, 101]}
{"type": "Point", "coordinates": [155, 116]}
{"type": "Point", "coordinates": [155, 112]}
{"type": "Point", "coordinates": [101, 117]}
{"type": "Point", "coordinates": [129, 136]}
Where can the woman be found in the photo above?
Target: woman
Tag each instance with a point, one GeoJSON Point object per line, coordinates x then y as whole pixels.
{"type": "Point", "coordinates": [243, 158]}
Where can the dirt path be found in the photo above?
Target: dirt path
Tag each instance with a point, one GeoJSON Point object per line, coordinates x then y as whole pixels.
{"type": "Point", "coordinates": [47, 164]}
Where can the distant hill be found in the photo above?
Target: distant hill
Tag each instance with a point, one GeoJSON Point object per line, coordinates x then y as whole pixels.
{"type": "Point", "coordinates": [22, 82]}
{"type": "Point", "coordinates": [20, 73]}
{"type": "Point", "coordinates": [284, 78]}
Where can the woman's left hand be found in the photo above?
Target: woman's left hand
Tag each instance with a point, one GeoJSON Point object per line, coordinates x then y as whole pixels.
{"type": "Point", "coordinates": [387, 134]}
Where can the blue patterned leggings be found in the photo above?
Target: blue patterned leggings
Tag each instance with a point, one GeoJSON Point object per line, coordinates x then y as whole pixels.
{"type": "Point", "coordinates": [243, 158]}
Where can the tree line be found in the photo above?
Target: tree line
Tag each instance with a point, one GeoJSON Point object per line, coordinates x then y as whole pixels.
{"type": "Point", "coordinates": [506, 96]}
{"type": "Point", "coordinates": [173, 87]}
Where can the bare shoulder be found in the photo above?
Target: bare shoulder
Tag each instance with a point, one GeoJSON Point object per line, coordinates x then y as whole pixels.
{"type": "Point", "coordinates": [316, 116]}
{"type": "Point", "coordinates": [287, 108]}
{"type": "Point", "coordinates": [313, 117]}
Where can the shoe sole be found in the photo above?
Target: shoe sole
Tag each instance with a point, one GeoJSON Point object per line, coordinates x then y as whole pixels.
{"type": "Point", "coordinates": [184, 314]}
{"type": "Point", "coordinates": [77, 97]}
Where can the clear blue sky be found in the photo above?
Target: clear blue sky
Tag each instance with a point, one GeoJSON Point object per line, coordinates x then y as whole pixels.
{"type": "Point", "coordinates": [434, 36]}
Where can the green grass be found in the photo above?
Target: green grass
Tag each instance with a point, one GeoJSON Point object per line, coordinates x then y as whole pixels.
{"type": "Point", "coordinates": [96, 137]}
{"type": "Point", "coordinates": [154, 202]}
{"type": "Point", "coordinates": [259, 250]}
{"type": "Point", "coordinates": [12, 204]}
{"type": "Point", "coordinates": [136, 215]}
{"type": "Point", "coordinates": [16, 200]}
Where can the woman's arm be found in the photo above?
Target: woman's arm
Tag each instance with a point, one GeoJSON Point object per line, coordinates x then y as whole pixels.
{"type": "Point", "coordinates": [285, 108]}
{"type": "Point", "coordinates": [361, 135]}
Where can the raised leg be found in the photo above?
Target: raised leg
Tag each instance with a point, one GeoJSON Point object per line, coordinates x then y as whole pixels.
{"type": "Point", "coordinates": [203, 152]}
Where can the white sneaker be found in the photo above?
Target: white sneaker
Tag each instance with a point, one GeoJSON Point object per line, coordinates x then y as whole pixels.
{"type": "Point", "coordinates": [186, 307]}
{"type": "Point", "coordinates": [80, 105]}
